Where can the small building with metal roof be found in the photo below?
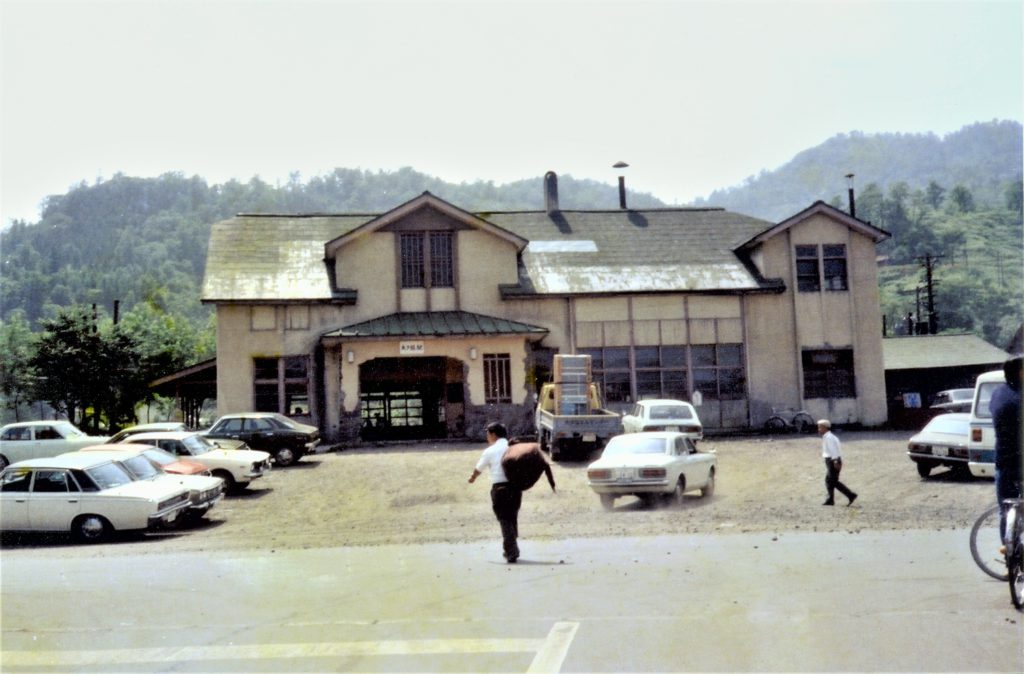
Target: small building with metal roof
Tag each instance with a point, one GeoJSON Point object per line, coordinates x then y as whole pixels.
{"type": "Point", "coordinates": [429, 320]}
{"type": "Point", "coordinates": [918, 367]}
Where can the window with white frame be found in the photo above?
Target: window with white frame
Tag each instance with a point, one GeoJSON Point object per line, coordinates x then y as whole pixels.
{"type": "Point", "coordinates": [497, 378]}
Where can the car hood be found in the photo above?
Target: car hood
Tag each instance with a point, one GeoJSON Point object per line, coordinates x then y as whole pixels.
{"type": "Point", "coordinates": [633, 460]}
{"type": "Point", "coordinates": [148, 489]}
{"type": "Point", "coordinates": [247, 455]}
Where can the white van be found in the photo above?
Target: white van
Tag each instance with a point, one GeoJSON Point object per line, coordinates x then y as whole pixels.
{"type": "Point", "coordinates": [981, 441]}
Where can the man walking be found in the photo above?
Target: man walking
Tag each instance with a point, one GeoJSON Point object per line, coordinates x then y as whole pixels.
{"type": "Point", "coordinates": [505, 497]}
{"type": "Point", "coordinates": [831, 452]}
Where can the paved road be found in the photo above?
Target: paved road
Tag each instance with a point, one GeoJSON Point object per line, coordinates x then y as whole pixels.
{"type": "Point", "coordinates": [878, 601]}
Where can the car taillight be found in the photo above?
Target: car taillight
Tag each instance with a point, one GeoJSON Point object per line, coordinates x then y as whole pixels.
{"type": "Point", "coordinates": [975, 435]}
{"type": "Point", "coordinates": [691, 429]}
{"type": "Point", "coordinates": [652, 472]}
{"type": "Point", "coordinates": [599, 474]}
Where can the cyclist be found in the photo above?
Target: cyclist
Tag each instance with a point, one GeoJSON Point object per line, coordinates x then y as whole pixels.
{"type": "Point", "coordinates": [1006, 420]}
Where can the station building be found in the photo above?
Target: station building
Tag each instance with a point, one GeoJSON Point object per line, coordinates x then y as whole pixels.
{"type": "Point", "coordinates": [428, 321]}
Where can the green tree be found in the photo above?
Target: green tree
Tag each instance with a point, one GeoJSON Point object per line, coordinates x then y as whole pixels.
{"type": "Point", "coordinates": [1015, 196]}
{"type": "Point", "coordinates": [961, 199]}
{"type": "Point", "coordinates": [69, 365]}
{"type": "Point", "coordinates": [17, 376]}
{"type": "Point", "coordinates": [934, 194]}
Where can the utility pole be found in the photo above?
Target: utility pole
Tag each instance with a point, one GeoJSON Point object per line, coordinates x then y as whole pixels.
{"type": "Point", "coordinates": [929, 262]}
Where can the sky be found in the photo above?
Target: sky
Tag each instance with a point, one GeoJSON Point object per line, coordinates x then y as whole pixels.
{"type": "Point", "coordinates": [694, 96]}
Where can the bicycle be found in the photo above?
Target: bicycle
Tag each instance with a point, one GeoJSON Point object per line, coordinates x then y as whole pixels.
{"type": "Point", "coordinates": [985, 544]}
{"type": "Point", "coordinates": [790, 419]}
{"type": "Point", "coordinates": [1014, 542]}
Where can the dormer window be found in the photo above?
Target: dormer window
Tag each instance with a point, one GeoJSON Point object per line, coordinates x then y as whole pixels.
{"type": "Point", "coordinates": [427, 260]}
{"type": "Point", "coordinates": [809, 267]}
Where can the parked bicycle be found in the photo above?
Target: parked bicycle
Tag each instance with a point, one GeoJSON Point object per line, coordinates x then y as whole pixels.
{"type": "Point", "coordinates": [788, 419]}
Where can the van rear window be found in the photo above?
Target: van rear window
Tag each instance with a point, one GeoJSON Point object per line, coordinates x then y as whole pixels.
{"type": "Point", "coordinates": [985, 391]}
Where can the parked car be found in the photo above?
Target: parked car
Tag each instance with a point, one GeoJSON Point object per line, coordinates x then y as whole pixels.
{"type": "Point", "coordinates": [286, 440]}
{"type": "Point", "coordinates": [204, 490]}
{"type": "Point", "coordinates": [663, 415]}
{"type": "Point", "coordinates": [176, 426]}
{"type": "Point", "coordinates": [981, 442]}
{"type": "Point", "coordinates": [942, 442]}
{"type": "Point", "coordinates": [651, 464]}
{"type": "Point", "coordinates": [953, 400]}
{"type": "Point", "coordinates": [37, 439]}
{"type": "Point", "coordinates": [86, 494]}
{"type": "Point", "coordinates": [237, 467]}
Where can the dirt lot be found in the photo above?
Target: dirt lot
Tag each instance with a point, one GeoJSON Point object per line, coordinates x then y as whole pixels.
{"type": "Point", "coordinates": [419, 493]}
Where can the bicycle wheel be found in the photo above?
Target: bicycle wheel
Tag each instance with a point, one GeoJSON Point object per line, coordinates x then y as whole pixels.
{"type": "Point", "coordinates": [804, 422]}
{"type": "Point", "coordinates": [985, 543]}
{"type": "Point", "coordinates": [1016, 577]}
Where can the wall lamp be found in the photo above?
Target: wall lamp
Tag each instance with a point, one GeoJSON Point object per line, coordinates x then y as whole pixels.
{"type": "Point", "coordinates": [472, 353]}
{"type": "Point", "coordinates": [351, 356]}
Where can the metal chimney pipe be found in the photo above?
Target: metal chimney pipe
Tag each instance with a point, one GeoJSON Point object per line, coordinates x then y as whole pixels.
{"type": "Point", "coordinates": [551, 192]}
{"type": "Point", "coordinates": [620, 165]}
{"type": "Point", "coordinates": [849, 183]}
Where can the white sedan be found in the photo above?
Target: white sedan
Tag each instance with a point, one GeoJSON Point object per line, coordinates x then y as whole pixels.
{"type": "Point", "coordinates": [87, 495]}
{"type": "Point", "coordinates": [647, 465]}
{"type": "Point", "coordinates": [37, 439]}
{"type": "Point", "coordinates": [663, 415]}
{"type": "Point", "coordinates": [237, 467]}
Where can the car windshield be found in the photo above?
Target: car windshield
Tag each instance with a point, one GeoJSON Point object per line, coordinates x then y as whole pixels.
{"type": "Point", "coordinates": [283, 420]}
{"type": "Point", "coordinates": [68, 430]}
{"type": "Point", "coordinates": [197, 444]}
{"type": "Point", "coordinates": [109, 475]}
{"type": "Point", "coordinates": [670, 412]}
{"type": "Point", "coordinates": [140, 467]}
{"type": "Point", "coordinates": [621, 445]}
{"type": "Point", "coordinates": [962, 393]}
{"type": "Point", "coordinates": [160, 456]}
{"type": "Point", "coordinates": [947, 425]}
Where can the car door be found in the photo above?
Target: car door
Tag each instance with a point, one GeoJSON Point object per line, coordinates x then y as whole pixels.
{"type": "Point", "coordinates": [15, 489]}
{"type": "Point", "coordinates": [55, 501]}
{"type": "Point", "coordinates": [259, 434]}
{"type": "Point", "coordinates": [695, 466]}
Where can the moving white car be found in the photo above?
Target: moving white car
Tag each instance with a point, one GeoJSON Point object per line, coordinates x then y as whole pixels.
{"type": "Point", "coordinates": [204, 491]}
{"type": "Point", "coordinates": [237, 467]}
{"type": "Point", "coordinates": [85, 494]}
{"type": "Point", "coordinates": [37, 439]}
{"type": "Point", "coordinates": [651, 464]}
{"type": "Point", "coordinates": [663, 415]}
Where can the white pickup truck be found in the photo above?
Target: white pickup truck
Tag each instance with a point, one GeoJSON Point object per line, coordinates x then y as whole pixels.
{"type": "Point", "coordinates": [575, 430]}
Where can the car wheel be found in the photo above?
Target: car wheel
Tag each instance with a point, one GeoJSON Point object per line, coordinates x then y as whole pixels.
{"type": "Point", "coordinates": [607, 501]}
{"type": "Point", "coordinates": [90, 528]}
{"type": "Point", "coordinates": [924, 469]}
{"type": "Point", "coordinates": [709, 488]}
{"type": "Point", "coordinates": [679, 493]}
{"type": "Point", "coordinates": [229, 481]}
{"type": "Point", "coordinates": [285, 456]}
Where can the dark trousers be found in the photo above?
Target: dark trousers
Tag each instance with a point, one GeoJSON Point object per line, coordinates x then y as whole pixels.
{"type": "Point", "coordinates": [832, 468]}
{"type": "Point", "coordinates": [505, 501]}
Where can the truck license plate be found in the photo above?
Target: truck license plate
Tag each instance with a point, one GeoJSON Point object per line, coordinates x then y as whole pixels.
{"type": "Point", "coordinates": [590, 437]}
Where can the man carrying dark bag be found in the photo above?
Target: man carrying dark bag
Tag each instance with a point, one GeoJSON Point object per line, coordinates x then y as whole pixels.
{"type": "Point", "coordinates": [506, 489]}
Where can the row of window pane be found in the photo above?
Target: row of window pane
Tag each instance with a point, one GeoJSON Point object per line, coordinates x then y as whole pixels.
{"type": "Point", "coordinates": [413, 249]}
{"type": "Point", "coordinates": [281, 385]}
{"type": "Point", "coordinates": [807, 267]}
{"type": "Point", "coordinates": [662, 371]}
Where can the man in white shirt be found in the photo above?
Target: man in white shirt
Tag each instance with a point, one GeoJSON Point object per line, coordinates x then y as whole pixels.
{"type": "Point", "coordinates": [505, 498]}
{"type": "Point", "coordinates": [831, 452]}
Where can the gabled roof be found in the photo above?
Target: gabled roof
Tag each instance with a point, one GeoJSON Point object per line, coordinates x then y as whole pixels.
{"type": "Point", "coordinates": [425, 200]}
{"type": "Point", "coordinates": [820, 208]}
{"type": "Point", "coordinates": [936, 351]}
{"type": "Point", "coordinates": [435, 324]}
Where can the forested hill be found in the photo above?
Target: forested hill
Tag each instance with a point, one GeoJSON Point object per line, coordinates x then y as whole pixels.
{"type": "Point", "coordinates": [143, 240]}
{"type": "Point", "coordinates": [982, 157]}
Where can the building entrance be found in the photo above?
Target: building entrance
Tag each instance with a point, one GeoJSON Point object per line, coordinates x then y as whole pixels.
{"type": "Point", "coordinates": [411, 398]}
